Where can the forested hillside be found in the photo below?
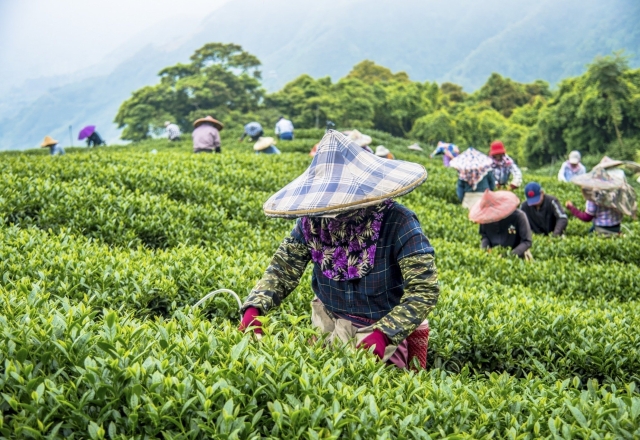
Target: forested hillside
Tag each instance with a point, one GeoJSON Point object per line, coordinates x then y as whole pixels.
{"type": "Point", "coordinates": [597, 112]}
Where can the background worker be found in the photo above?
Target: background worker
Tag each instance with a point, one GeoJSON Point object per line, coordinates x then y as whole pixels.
{"type": "Point", "coordinates": [253, 130]}
{"type": "Point", "coordinates": [173, 131]}
{"type": "Point", "coordinates": [206, 135]}
{"type": "Point", "coordinates": [502, 223]}
{"type": "Point", "coordinates": [448, 151]}
{"type": "Point", "coordinates": [55, 149]}
{"type": "Point", "coordinates": [284, 129]}
{"type": "Point", "coordinates": [544, 212]}
{"type": "Point", "coordinates": [504, 168]}
{"type": "Point", "coordinates": [571, 167]}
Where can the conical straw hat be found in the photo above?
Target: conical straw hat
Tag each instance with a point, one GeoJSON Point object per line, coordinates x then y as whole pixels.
{"type": "Point", "coordinates": [599, 178]}
{"type": "Point", "coordinates": [607, 162]}
{"type": "Point", "coordinates": [210, 119]}
{"type": "Point", "coordinates": [342, 177]}
{"type": "Point", "coordinates": [415, 147]}
{"type": "Point", "coordinates": [263, 143]}
{"type": "Point", "coordinates": [493, 207]}
{"type": "Point", "coordinates": [48, 141]}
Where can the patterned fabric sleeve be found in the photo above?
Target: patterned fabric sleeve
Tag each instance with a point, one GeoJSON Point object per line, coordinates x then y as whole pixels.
{"type": "Point", "coordinates": [421, 293]}
{"type": "Point", "coordinates": [516, 175]}
{"type": "Point", "coordinates": [281, 277]}
{"type": "Point", "coordinates": [416, 259]}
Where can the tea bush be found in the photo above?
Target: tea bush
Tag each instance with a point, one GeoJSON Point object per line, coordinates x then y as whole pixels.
{"type": "Point", "coordinates": [104, 252]}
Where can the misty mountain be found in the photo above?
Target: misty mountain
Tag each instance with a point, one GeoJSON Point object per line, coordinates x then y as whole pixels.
{"type": "Point", "coordinates": [463, 41]}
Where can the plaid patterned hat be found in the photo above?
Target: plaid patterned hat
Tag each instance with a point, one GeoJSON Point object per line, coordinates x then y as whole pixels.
{"type": "Point", "coordinates": [342, 177]}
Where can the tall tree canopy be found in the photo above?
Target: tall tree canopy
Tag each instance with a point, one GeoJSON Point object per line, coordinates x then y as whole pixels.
{"type": "Point", "coordinates": [221, 80]}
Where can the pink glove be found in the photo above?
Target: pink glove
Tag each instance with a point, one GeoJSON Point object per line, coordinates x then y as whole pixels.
{"type": "Point", "coordinates": [249, 320]}
{"type": "Point", "coordinates": [378, 339]}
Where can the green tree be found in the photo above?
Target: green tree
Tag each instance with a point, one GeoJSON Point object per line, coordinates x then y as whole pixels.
{"type": "Point", "coordinates": [505, 95]}
{"type": "Point", "coordinates": [221, 80]}
{"type": "Point", "coordinates": [606, 73]}
{"type": "Point", "coordinates": [371, 73]}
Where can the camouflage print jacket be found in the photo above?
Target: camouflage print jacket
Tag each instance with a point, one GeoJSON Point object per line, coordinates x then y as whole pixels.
{"type": "Point", "coordinates": [398, 293]}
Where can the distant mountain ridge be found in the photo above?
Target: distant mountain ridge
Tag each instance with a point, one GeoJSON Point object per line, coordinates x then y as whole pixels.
{"type": "Point", "coordinates": [462, 41]}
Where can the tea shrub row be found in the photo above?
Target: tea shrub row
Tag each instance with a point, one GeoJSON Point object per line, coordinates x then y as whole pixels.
{"type": "Point", "coordinates": [104, 252]}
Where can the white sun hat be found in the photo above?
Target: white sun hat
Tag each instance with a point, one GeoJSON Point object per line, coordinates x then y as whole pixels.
{"type": "Point", "coordinates": [342, 177]}
{"type": "Point", "coordinates": [382, 151]}
{"type": "Point", "coordinates": [263, 143]}
{"type": "Point", "coordinates": [574, 157]}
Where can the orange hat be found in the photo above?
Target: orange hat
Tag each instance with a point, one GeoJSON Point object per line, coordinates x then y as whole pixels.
{"type": "Point", "coordinates": [48, 141]}
{"type": "Point", "coordinates": [497, 147]}
{"type": "Point", "coordinates": [493, 207]}
{"type": "Point", "coordinates": [209, 119]}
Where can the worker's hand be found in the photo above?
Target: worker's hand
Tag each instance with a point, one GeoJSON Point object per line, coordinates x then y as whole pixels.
{"type": "Point", "coordinates": [377, 339]}
{"type": "Point", "coordinates": [569, 204]}
{"type": "Point", "coordinates": [488, 250]}
{"type": "Point", "coordinates": [250, 320]}
{"type": "Point", "coordinates": [512, 186]}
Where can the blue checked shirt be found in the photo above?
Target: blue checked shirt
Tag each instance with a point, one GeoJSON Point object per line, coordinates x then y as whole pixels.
{"type": "Point", "coordinates": [603, 216]}
{"type": "Point", "coordinates": [399, 291]}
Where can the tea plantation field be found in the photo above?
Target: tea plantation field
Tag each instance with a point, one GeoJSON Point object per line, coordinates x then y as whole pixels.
{"type": "Point", "coordinates": [104, 252]}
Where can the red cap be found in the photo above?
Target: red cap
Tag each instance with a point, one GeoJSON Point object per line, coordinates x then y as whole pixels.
{"type": "Point", "coordinates": [497, 147]}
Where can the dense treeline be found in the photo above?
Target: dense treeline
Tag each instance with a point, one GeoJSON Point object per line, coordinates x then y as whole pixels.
{"type": "Point", "coordinates": [598, 112]}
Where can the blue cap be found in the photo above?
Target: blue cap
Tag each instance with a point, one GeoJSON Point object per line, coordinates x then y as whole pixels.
{"type": "Point", "coordinates": [533, 192]}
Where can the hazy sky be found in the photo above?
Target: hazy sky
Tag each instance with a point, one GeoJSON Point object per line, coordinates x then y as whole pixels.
{"type": "Point", "coordinates": [40, 37]}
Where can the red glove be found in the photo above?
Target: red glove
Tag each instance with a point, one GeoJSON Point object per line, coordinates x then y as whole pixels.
{"type": "Point", "coordinates": [249, 320]}
{"type": "Point", "coordinates": [378, 339]}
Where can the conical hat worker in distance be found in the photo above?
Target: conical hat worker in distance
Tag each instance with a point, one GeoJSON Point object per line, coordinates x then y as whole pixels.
{"type": "Point", "coordinates": [266, 145]}
{"type": "Point", "coordinates": [363, 245]}
{"type": "Point", "coordinates": [55, 149]}
{"type": "Point", "coordinates": [502, 223]}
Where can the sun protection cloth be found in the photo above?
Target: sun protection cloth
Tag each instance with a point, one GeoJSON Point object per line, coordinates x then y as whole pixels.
{"type": "Point", "coordinates": [341, 177]}
{"type": "Point", "coordinates": [382, 151]}
{"type": "Point", "coordinates": [361, 139]}
{"type": "Point", "coordinates": [533, 192]}
{"type": "Point", "coordinates": [574, 157]}
{"type": "Point", "coordinates": [48, 141]}
{"type": "Point", "coordinates": [497, 147]}
{"type": "Point", "coordinates": [605, 189]}
{"type": "Point", "coordinates": [263, 143]}
{"type": "Point", "coordinates": [209, 119]}
{"type": "Point", "coordinates": [472, 166]}
{"type": "Point", "coordinates": [493, 207]}
{"type": "Point", "coordinates": [414, 147]}
{"type": "Point", "coordinates": [345, 247]}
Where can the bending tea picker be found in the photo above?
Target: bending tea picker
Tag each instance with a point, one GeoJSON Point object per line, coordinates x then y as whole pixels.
{"type": "Point", "coordinates": [374, 274]}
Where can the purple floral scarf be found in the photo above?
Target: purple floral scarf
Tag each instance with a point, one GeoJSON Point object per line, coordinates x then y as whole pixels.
{"type": "Point", "coordinates": [345, 246]}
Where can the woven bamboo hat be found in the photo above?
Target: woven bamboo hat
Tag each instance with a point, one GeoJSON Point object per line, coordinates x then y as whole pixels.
{"type": "Point", "coordinates": [494, 206]}
{"type": "Point", "coordinates": [264, 143]}
{"type": "Point", "coordinates": [48, 141]}
{"type": "Point", "coordinates": [211, 120]}
{"type": "Point", "coordinates": [341, 177]}
{"type": "Point", "coordinates": [607, 162]}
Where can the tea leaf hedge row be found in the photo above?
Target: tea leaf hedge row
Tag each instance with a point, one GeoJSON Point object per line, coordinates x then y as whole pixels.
{"type": "Point", "coordinates": [103, 254]}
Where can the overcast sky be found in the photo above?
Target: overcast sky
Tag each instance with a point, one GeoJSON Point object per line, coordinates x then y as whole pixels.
{"type": "Point", "coordinates": [40, 37]}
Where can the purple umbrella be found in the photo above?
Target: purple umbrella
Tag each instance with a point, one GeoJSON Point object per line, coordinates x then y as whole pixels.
{"type": "Point", "coordinates": [86, 131]}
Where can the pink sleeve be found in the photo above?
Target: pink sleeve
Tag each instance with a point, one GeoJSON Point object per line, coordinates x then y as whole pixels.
{"type": "Point", "coordinates": [585, 217]}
